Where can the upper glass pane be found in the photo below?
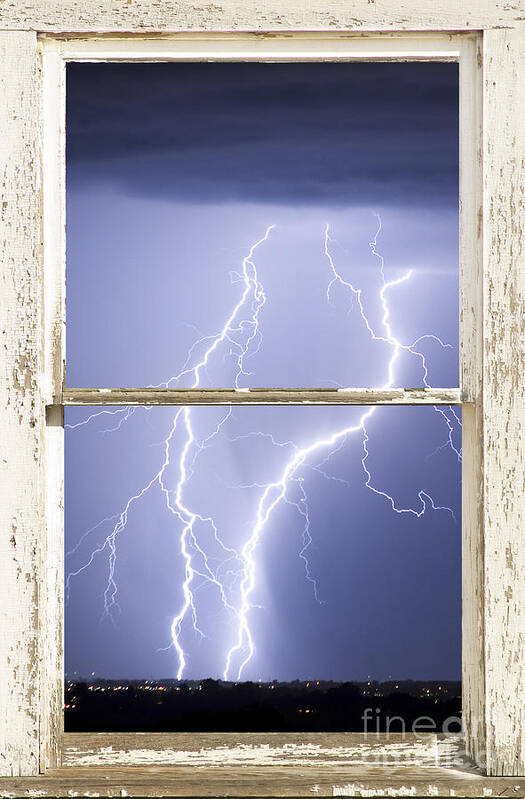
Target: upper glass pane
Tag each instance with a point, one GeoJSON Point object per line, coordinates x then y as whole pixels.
{"type": "Point", "coordinates": [261, 224]}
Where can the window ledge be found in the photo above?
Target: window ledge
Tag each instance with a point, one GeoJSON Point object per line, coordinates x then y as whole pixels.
{"type": "Point", "coordinates": [262, 765]}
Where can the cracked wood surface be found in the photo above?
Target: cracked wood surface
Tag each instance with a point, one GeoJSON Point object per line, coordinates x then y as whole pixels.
{"type": "Point", "coordinates": [471, 381]}
{"type": "Point", "coordinates": [504, 398]}
{"type": "Point", "coordinates": [262, 781]}
{"type": "Point", "coordinates": [220, 15]}
{"type": "Point", "coordinates": [493, 384]}
{"type": "Point", "coordinates": [22, 408]}
{"type": "Point", "coordinates": [263, 765]}
{"type": "Point", "coordinates": [261, 396]}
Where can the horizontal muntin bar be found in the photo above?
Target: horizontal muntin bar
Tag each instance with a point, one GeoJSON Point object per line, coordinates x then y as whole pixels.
{"type": "Point", "coordinates": [262, 396]}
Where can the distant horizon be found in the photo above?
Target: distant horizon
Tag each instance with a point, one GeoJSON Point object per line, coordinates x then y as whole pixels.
{"type": "Point", "coordinates": [311, 680]}
{"type": "Point", "coordinates": [248, 706]}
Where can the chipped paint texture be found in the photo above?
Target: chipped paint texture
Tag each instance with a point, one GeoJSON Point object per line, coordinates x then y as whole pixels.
{"type": "Point", "coordinates": [172, 15]}
{"type": "Point", "coordinates": [356, 789]}
{"type": "Point", "coordinates": [293, 764]}
{"type": "Point", "coordinates": [493, 384]}
{"type": "Point", "coordinates": [263, 765]}
{"type": "Point", "coordinates": [471, 366]}
{"type": "Point", "coordinates": [22, 410]}
{"type": "Point", "coordinates": [247, 396]}
{"type": "Point", "coordinates": [248, 750]}
{"type": "Point", "coordinates": [504, 398]}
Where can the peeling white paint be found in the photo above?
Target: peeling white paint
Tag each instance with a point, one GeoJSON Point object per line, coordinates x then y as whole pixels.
{"type": "Point", "coordinates": [356, 789]}
{"type": "Point", "coordinates": [22, 528]}
{"type": "Point", "coordinates": [258, 396]}
{"type": "Point", "coordinates": [420, 753]}
{"type": "Point", "coordinates": [493, 373]}
{"type": "Point", "coordinates": [504, 398]}
{"type": "Point", "coordinates": [250, 15]}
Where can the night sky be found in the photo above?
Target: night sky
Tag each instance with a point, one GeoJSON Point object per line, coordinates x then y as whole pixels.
{"type": "Point", "coordinates": [174, 171]}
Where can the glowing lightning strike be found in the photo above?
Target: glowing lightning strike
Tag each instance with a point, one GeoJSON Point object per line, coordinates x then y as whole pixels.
{"type": "Point", "coordinates": [275, 492]}
{"type": "Point", "coordinates": [251, 285]}
{"type": "Point", "coordinates": [253, 296]}
{"type": "Point", "coordinates": [241, 334]}
{"type": "Point", "coordinates": [449, 442]}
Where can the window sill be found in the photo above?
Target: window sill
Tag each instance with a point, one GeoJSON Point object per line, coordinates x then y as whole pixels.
{"type": "Point", "coordinates": [262, 765]}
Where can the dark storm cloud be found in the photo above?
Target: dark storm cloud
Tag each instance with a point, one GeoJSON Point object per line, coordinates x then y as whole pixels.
{"type": "Point", "coordinates": [277, 133]}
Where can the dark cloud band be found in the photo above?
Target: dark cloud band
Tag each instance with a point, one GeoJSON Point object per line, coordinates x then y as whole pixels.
{"type": "Point", "coordinates": [281, 133]}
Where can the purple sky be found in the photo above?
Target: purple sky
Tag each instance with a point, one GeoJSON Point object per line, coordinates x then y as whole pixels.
{"type": "Point", "coordinates": [174, 172]}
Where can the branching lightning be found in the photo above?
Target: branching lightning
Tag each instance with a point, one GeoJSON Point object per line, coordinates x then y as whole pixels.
{"type": "Point", "coordinates": [238, 339]}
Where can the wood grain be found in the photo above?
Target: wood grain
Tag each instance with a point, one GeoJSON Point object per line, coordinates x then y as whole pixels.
{"type": "Point", "coordinates": [22, 540]}
{"type": "Point", "coordinates": [263, 765]}
{"type": "Point", "coordinates": [53, 218]}
{"type": "Point", "coordinates": [219, 15]}
{"type": "Point", "coordinates": [471, 372]}
{"type": "Point", "coordinates": [504, 398]}
{"type": "Point", "coordinates": [260, 396]}
{"type": "Point", "coordinates": [493, 386]}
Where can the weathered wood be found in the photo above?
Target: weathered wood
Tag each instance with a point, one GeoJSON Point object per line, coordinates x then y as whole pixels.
{"type": "Point", "coordinates": [256, 765]}
{"type": "Point", "coordinates": [54, 223]}
{"type": "Point", "coordinates": [492, 381]}
{"type": "Point", "coordinates": [361, 15]}
{"type": "Point", "coordinates": [256, 749]}
{"type": "Point", "coordinates": [51, 612]}
{"type": "Point", "coordinates": [22, 539]}
{"type": "Point", "coordinates": [267, 781]}
{"type": "Point", "coordinates": [51, 602]}
{"type": "Point", "coordinates": [470, 218]}
{"type": "Point", "coordinates": [504, 398]}
{"type": "Point", "coordinates": [471, 368]}
{"type": "Point", "coordinates": [312, 45]}
{"type": "Point", "coordinates": [260, 396]}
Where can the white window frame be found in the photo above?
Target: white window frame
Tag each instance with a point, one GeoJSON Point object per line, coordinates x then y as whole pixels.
{"type": "Point", "coordinates": [492, 144]}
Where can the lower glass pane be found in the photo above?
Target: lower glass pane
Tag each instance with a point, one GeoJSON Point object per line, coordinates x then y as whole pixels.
{"type": "Point", "coordinates": [262, 568]}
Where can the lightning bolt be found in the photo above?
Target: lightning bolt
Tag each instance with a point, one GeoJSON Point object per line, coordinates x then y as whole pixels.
{"type": "Point", "coordinates": [275, 493]}
{"type": "Point", "coordinates": [240, 333]}
{"type": "Point", "coordinates": [241, 338]}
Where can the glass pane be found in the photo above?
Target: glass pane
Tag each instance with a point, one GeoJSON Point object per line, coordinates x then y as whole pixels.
{"type": "Point", "coordinates": [279, 224]}
{"type": "Point", "coordinates": [259, 544]}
